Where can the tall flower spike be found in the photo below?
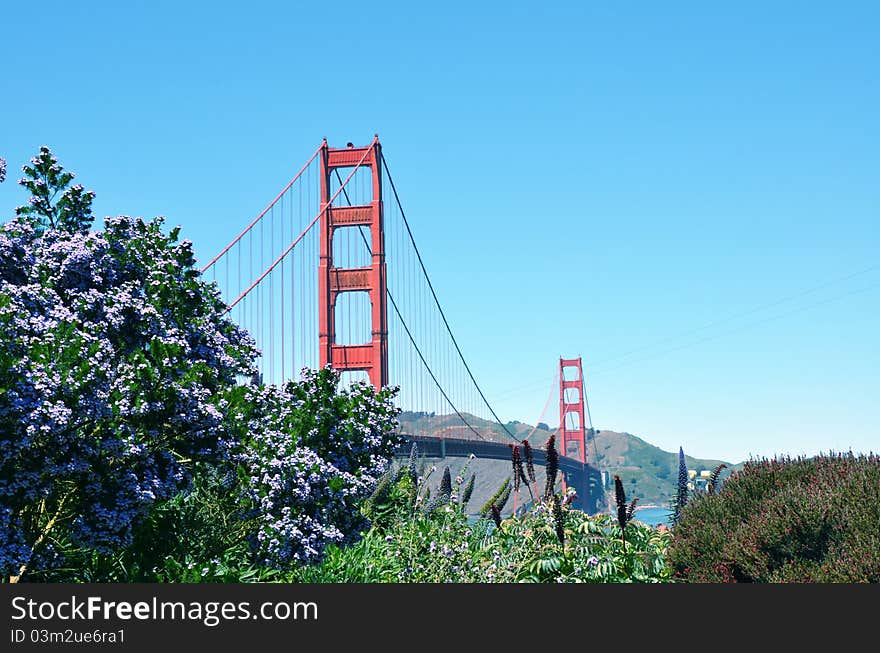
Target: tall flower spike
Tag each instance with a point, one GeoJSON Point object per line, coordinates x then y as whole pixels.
{"type": "Point", "coordinates": [411, 466]}
{"type": "Point", "coordinates": [444, 493]}
{"type": "Point", "coordinates": [530, 463]}
{"type": "Point", "coordinates": [504, 496]}
{"type": "Point", "coordinates": [552, 466]}
{"type": "Point", "coordinates": [517, 465]}
{"type": "Point", "coordinates": [712, 486]}
{"type": "Point", "coordinates": [446, 482]}
{"type": "Point", "coordinates": [496, 514]}
{"type": "Point", "coordinates": [502, 492]}
{"type": "Point", "coordinates": [631, 510]}
{"type": "Point", "coordinates": [681, 495]}
{"type": "Point", "coordinates": [468, 491]}
{"type": "Point", "coordinates": [619, 493]}
{"type": "Point", "coordinates": [620, 500]}
{"type": "Point", "coordinates": [519, 473]}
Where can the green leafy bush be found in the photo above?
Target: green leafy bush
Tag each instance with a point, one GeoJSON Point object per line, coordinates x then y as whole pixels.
{"type": "Point", "coordinates": [418, 534]}
{"type": "Point", "coordinates": [528, 549]}
{"type": "Point", "coordinates": [785, 520]}
{"type": "Point", "coordinates": [550, 543]}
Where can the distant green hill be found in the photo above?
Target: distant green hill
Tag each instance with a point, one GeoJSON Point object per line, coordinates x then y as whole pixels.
{"type": "Point", "coordinates": [647, 471]}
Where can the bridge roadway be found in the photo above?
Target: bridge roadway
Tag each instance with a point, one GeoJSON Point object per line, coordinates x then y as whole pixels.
{"type": "Point", "coordinates": [585, 478]}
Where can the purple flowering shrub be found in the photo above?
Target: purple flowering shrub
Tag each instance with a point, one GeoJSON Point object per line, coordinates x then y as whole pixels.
{"type": "Point", "coordinates": [311, 451]}
{"type": "Point", "coordinates": [113, 362]}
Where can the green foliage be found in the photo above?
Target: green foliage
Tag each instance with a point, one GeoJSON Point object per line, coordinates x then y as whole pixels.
{"type": "Point", "coordinates": [528, 549]}
{"type": "Point", "coordinates": [198, 536]}
{"type": "Point", "coordinates": [550, 543]}
{"type": "Point", "coordinates": [54, 203]}
{"type": "Point", "coordinates": [785, 520]}
{"type": "Point", "coordinates": [412, 538]}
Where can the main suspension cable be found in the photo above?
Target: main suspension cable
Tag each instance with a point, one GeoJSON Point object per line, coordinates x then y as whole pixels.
{"type": "Point", "coordinates": [408, 333]}
{"type": "Point", "coordinates": [437, 302]}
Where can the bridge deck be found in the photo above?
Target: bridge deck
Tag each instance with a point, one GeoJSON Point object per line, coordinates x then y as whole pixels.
{"type": "Point", "coordinates": [585, 478]}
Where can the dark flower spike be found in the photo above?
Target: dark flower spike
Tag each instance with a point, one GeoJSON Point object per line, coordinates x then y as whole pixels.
{"type": "Point", "coordinates": [620, 499]}
{"type": "Point", "coordinates": [681, 496]}
{"type": "Point", "coordinates": [522, 476]}
{"type": "Point", "coordinates": [437, 502]}
{"type": "Point", "coordinates": [446, 482]}
{"type": "Point", "coordinates": [517, 465]}
{"type": "Point", "coordinates": [411, 466]}
{"type": "Point", "coordinates": [619, 493]}
{"type": "Point", "coordinates": [519, 473]}
{"type": "Point", "coordinates": [552, 466]}
{"type": "Point", "coordinates": [631, 510]}
{"type": "Point", "coordinates": [496, 514]}
{"type": "Point", "coordinates": [712, 486]}
{"type": "Point", "coordinates": [530, 463]}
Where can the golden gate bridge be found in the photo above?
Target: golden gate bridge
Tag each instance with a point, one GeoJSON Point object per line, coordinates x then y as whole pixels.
{"type": "Point", "coordinates": [329, 273]}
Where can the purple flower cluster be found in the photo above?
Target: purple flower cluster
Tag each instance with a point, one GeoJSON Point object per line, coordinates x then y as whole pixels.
{"type": "Point", "coordinates": [311, 451]}
{"type": "Point", "coordinates": [114, 358]}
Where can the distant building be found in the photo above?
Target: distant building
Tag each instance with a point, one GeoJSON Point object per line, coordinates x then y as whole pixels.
{"type": "Point", "coordinates": [699, 481]}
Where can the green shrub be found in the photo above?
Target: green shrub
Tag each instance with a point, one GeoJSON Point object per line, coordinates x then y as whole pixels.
{"type": "Point", "coordinates": [418, 534]}
{"type": "Point", "coordinates": [550, 543]}
{"type": "Point", "coordinates": [785, 520]}
{"type": "Point", "coordinates": [528, 549]}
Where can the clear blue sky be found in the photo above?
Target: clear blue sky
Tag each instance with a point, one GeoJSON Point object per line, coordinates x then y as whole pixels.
{"type": "Point", "coordinates": [684, 195]}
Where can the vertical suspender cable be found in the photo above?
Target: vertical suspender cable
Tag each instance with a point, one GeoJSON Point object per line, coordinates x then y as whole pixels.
{"type": "Point", "coordinates": [437, 301]}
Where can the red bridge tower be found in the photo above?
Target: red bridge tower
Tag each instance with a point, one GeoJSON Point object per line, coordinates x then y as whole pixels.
{"type": "Point", "coordinates": [371, 357]}
{"type": "Point", "coordinates": [571, 410]}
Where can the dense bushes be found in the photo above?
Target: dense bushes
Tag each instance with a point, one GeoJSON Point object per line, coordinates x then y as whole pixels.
{"type": "Point", "coordinates": [785, 520]}
{"type": "Point", "coordinates": [422, 536]}
{"type": "Point", "coordinates": [309, 452]}
{"type": "Point", "coordinates": [114, 360]}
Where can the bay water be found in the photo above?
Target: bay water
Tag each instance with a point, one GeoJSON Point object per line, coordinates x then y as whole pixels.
{"type": "Point", "coordinates": [653, 516]}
